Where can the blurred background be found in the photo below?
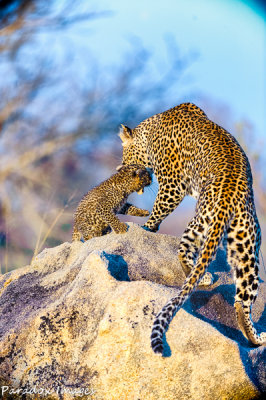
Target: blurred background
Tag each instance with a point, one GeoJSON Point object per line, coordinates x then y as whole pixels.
{"type": "Point", "coordinates": [72, 71]}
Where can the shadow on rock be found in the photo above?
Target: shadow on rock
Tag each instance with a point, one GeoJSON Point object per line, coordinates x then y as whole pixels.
{"type": "Point", "coordinates": [117, 267]}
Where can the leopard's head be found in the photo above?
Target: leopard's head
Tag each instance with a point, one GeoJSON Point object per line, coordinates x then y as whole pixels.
{"type": "Point", "coordinates": [134, 150]}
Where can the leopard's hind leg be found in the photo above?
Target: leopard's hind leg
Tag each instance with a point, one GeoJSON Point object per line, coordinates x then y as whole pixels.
{"type": "Point", "coordinates": [90, 232]}
{"type": "Point", "coordinates": [190, 244]}
{"type": "Point", "coordinates": [76, 235]}
{"type": "Point", "coordinates": [243, 244]}
{"type": "Point", "coordinates": [215, 233]}
{"type": "Point", "coordinates": [86, 231]}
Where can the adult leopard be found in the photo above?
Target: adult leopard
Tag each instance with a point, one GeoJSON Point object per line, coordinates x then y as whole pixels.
{"type": "Point", "coordinates": [191, 155]}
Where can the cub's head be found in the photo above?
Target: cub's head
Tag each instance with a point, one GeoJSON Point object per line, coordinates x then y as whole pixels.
{"type": "Point", "coordinates": [134, 150]}
{"type": "Point", "coordinates": [136, 177]}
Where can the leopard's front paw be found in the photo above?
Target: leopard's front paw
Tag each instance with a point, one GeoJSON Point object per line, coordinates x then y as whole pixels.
{"type": "Point", "coordinates": [152, 229]}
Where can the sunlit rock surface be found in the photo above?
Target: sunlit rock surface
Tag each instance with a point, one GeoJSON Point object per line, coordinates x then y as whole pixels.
{"type": "Point", "coordinates": [78, 321]}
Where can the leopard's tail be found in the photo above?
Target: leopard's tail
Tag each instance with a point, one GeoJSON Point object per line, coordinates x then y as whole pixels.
{"type": "Point", "coordinates": [215, 233]}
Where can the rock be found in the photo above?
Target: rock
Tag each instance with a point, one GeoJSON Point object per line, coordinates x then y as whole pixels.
{"type": "Point", "coordinates": [78, 321]}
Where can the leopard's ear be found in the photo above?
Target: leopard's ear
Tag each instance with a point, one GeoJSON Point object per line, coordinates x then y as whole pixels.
{"type": "Point", "coordinates": [126, 135]}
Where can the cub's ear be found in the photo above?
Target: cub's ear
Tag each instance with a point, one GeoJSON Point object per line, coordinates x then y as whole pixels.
{"type": "Point", "coordinates": [126, 135]}
{"type": "Point", "coordinates": [119, 167]}
{"type": "Point", "coordinates": [139, 172]}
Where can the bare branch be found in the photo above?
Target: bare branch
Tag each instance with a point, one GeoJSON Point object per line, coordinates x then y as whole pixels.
{"type": "Point", "coordinates": [55, 22]}
{"type": "Point", "coordinates": [9, 108]}
{"type": "Point", "coordinates": [36, 153]}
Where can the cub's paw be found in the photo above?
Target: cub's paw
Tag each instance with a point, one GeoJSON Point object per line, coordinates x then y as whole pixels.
{"type": "Point", "coordinates": [206, 280]}
{"type": "Point", "coordinates": [123, 228]}
{"type": "Point", "coordinates": [144, 213]}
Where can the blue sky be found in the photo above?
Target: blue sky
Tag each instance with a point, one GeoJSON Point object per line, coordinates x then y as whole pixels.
{"type": "Point", "coordinates": [226, 37]}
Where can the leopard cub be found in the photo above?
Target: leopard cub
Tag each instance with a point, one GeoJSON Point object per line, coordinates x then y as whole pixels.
{"type": "Point", "coordinates": [96, 213]}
